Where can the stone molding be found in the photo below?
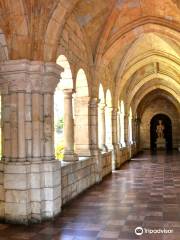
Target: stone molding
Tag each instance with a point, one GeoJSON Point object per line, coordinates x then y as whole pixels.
{"type": "Point", "coordinates": [29, 76]}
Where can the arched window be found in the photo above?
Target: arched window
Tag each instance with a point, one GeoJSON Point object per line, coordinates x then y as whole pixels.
{"type": "Point", "coordinates": [65, 83]}
{"type": "Point", "coordinates": [130, 126]}
{"type": "Point", "coordinates": [122, 112]}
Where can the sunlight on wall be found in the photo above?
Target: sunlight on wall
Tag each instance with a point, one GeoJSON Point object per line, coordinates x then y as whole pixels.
{"type": "Point", "coordinates": [81, 84]}
{"type": "Point", "coordinates": [130, 126]}
{"type": "Point", "coordinates": [122, 112]}
{"type": "Point", "coordinates": [108, 118]}
{"type": "Point", "coordinates": [100, 127]}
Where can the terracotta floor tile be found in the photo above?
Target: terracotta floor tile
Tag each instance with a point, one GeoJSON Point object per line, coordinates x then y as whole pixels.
{"type": "Point", "coordinates": [144, 192]}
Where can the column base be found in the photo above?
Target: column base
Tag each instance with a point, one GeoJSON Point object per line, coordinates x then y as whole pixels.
{"type": "Point", "coordinates": [83, 152]}
{"type": "Point", "coordinates": [32, 191]}
{"type": "Point", "coordinates": [70, 157]}
{"type": "Point", "coordinates": [103, 148]}
{"type": "Point", "coordinates": [110, 147]}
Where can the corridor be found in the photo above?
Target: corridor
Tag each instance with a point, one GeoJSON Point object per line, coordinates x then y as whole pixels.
{"type": "Point", "coordinates": [144, 192]}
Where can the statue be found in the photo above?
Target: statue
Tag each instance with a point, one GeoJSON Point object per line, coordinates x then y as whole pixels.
{"type": "Point", "coordinates": [160, 130]}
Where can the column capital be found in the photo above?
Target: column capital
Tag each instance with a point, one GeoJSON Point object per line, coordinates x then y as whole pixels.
{"type": "Point", "coordinates": [115, 111]}
{"type": "Point", "coordinates": [101, 106]}
{"type": "Point", "coordinates": [68, 93]}
{"type": "Point", "coordinates": [29, 76]}
{"type": "Point", "coordinates": [83, 99]}
{"type": "Point", "coordinates": [93, 102]}
{"type": "Point", "coordinates": [109, 109]}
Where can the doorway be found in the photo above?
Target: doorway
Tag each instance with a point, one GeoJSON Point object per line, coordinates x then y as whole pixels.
{"type": "Point", "coordinates": [167, 131]}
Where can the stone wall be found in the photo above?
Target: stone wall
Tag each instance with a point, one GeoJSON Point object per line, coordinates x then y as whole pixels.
{"type": "Point", "coordinates": [106, 159]}
{"type": "Point", "coordinates": [134, 150]}
{"type": "Point", "coordinates": [76, 177]}
{"type": "Point", "coordinates": [157, 107]}
{"type": "Point", "coordinates": [32, 191]}
{"type": "Point", "coordinates": [1, 190]}
{"type": "Point", "coordinates": [80, 175]}
{"type": "Point", "coordinates": [123, 155]}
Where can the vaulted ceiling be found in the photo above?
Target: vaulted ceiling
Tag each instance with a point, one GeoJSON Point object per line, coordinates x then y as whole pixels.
{"type": "Point", "coordinates": [136, 43]}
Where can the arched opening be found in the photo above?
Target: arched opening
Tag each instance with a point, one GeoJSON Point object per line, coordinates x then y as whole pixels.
{"type": "Point", "coordinates": [130, 126]}
{"type": "Point", "coordinates": [65, 84]}
{"type": "Point", "coordinates": [122, 113]}
{"type": "Point", "coordinates": [101, 120]}
{"type": "Point", "coordinates": [81, 118]}
{"type": "Point", "coordinates": [108, 119]}
{"type": "Point", "coordinates": [165, 132]}
{"type": "Point", "coordinates": [81, 84]}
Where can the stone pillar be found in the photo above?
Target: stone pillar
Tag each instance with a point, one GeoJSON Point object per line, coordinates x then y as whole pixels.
{"type": "Point", "coordinates": [31, 174]}
{"type": "Point", "coordinates": [102, 127]}
{"type": "Point", "coordinates": [133, 131]}
{"type": "Point", "coordinates": [138, 122]}
{"type": "Point", "coordinates": [109, 128]}
{"type": "Point", "coordinates": [69, 154]}
{"type": "Point", "coordinates": [126, 129]}
{"type": "Point", "coordinates": [82, 126]}
{"type": "Point", "coordinates": [122, 130]}
{"type": "Point", "coordinates": [94, 138]}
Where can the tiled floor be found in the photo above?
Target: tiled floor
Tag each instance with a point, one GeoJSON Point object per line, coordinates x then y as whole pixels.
{"type": "Point", "coordinates": [145, 192]}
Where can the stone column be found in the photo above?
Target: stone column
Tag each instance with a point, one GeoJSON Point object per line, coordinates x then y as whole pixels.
{"type": "Point", "coordinates": [138, 121]}
{"type": "Point", "coordinates": [134, 132]}
{"type": "Point", "coordinates": [122, 131]}
{"type": "Point", "coordinates": [126, 129]}
{"type": "Point", "coordinates": [28, 151]}
{"type": "Point", "coordinates": [69, 154]}
{"type": "Point", "coordinates": [94, 139]}
{"type": "Point", "coordinates": [82, 126]}
{"type": "Point", "coordinates": [102, 127]}
{"type": "Point", "coordinates": [109, 128]}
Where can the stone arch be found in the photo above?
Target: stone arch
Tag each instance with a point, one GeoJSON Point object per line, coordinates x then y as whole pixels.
{"type": "Point", "coordinates": [63, 93]}
{"type": "Point", "coordinates": [81, 118]}
{"type": "Point", "coordinates": [101, 120]}
{"type": "Point", "coordinates": [146, 129]}
{"type": "Point", "coordinates": [132, 69]}
{"type": "Point", "coordinates": [122, 126]}
{"type": "Point", "coordinates": [170, 91]}
{"type": "Point", "coordinates": [101, 94]}
{"type": "Point", "coordinates": [55, 26]}
{"type": "Point", "coordinates": [163, 46]}
{"type": "Point", "coordinates": [108, 98]}
{"type": "Point", "coordinates": [82, 89]}
{"type": "Point", "coordinates": [108, 119]}
{"type": "Point", "coordinates": [4, 54]}
{"type": "Point", "coordinates": [166, 79]}
{"type": "Point", "coordinates": [130, 126]}
{"type": "Point", "coordinates": [125, 36]}
{"type": "Point", "coordinates": [66, 75]}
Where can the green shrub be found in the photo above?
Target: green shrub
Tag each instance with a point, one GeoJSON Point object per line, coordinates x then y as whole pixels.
{"type": "Point", "coordinates": [59, 149]}
{"type": "Point", "coordinates": [59, 125]}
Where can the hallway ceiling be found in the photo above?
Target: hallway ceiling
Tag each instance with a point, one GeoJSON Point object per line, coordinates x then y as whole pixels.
{"type": "Point", "coordinates": [131, 44]}
{"type": "Point", "coordinates": [152, 97]}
